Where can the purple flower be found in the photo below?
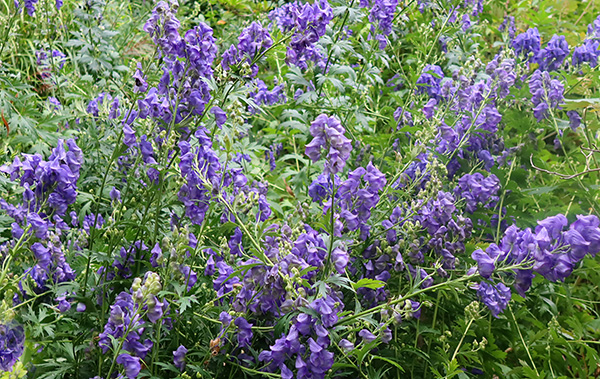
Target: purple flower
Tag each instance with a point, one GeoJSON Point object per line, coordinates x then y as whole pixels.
{"type": "Point", "coordinates": [328, 133]}
{"type": "Point", "coordinates": [252, 41]}
{"type": "Point", "coordinates": [131, 365]}
{"type": "Point", "coordinates": [430, 80]}
{"type": "Point", "coordinates": [115, 194]}
{"type": "Point", "coordinates": [346, 345]}
{"type": "Point", "coordinates": [309, 22]}
{"type": "Point", "coordinates": [54, 101]}
{"type": "Point", "coordinates": [244, 336]}
{"type": "Point", "coordinates": [30, 6]}
{"type": "Point", "coordinates": [429, 108]}
{"type": "Point", "coordinates": [527, 43]}
{"type": "Point", "coordinates": [508, 24]}
{"type": "Point", "coordinates": [477, 190]}
{"type": "Point", "coordinates": [12, 340]}
{"type": "Point", "coordinates": [163, 27]}
{"type": "Point", "coordinates": [179, 357]}
{"type": "Point", "coordinates": [588, 52]}
{"type": "Point", "coordinates": [485, 263]}
{"type": "Point", "coordinates": [220, 116]}
{"type": "Point", "coordinates": [552, 56]}
{"type": "Point", "coordinates": [201, 48]}
{"type": "Point", "coordinates": [494, 296]}
{"type": "Point", "coordinates": [262, 95]}
{"type": "Point", "coordinates": [367, 336]}
{"type": "Point", "coordinates": [128, 136]}
{"type": "Point", "coordinates": [546, 92]}
{"type": "Point", "coordinates": [340, 259]}
{"type": "Point", "coordinates": [382, 12]}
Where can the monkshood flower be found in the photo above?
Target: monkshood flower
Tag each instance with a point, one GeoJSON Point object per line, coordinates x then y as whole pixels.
{"type": "Point", "coordinates": [403, 117]}
{"type": "Point", "coordinates": [131, 365]}
{"type": "Point", "coordinates": [309, 22]}
{"type": "Point", "coordinates": [220, 116]}
{"type": "Point", "coordinates": [356, 201]}
{"type": "Point", "coordinates": [56, 105]}
{"type": "Point", "coordinates": [552, 56]}
{"type": "Point", "coordinates": [140, 80]}
{"type": "Point", "coordinates": [477, 6]}
{"type": "Point", "coordinates": [253, 41]}
{"type": "Point", "coordinates": [503, 74]}
{"type": "Point", "coordinates": [545, 92]}
{"type": "Point", "coordinates": [51, 267]}
{"type": "Point", "coordinates": [163, 27]}
{"type": "Point", "coordinates": [12, 340]}
{"type": "Point", "coordinates": [430, 80]}
{"type": "Point", "coordinates": [509, 25]}
{"type": "Point", "coordinates": [244, 335]}
{"type": "Point", "coordinates": [550, 250]}
{"type": "Point", "coordinates": [48, 61]}
{"type": "Point", "coordinates": [199, 166]}
{"type": "Point", "coordinates": [588, 52]}
{"type": "Point", "coordinates": [477, 190]}
{"type": "Point", "coordinates": [30, 6]}
{"type": "Point", "coordinates": [94, 104]}
{"type": "Point", "coordinates": [381, 13]}
{"type": "Point", "coordinates": [182, 90]}
{"type": "Point", "coordinates": [179, 357]}
{"type": "Point", "coordinates": [346, 345]}
{"type": "Point", "coordinates": [528, 43]}
{"type": "Point", "coordinates": [328, 134]}
{"type": "Point", "coordinates": [51, 184]}
{"type": "Point", "coordinates": [593, 30]}
{"type": "Point", "coordinates": [201, 48]}
{"type": "Point", "coordinates": [262, 96]}
{"type": "Point", "coordinates": [305, 345]}
{"type": "Point", "coordinates": [494, 296]}
{"type": "Point", "coordinates": [574, 119]}
{"type": "Point", "coordinates": [125, 321]}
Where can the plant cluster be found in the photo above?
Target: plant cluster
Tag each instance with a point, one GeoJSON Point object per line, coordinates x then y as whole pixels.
{"type": "Point", "coordinates": [343, 189]}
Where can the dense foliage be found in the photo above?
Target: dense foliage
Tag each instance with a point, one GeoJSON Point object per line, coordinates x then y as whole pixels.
{"type": "Point", "coordinates": [321, 189]}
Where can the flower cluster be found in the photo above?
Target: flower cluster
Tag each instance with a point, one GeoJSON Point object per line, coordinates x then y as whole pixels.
{"type": "Point", "coordinates": [262, 96]}
{"type": "Point", "coordinates": [12, 338]}
{"type": "Point", "coordinates": [356, 203]}
{"type": "Point", "coordinates": [528, 44]}
{"type": "Point", "coordinates": [182, 90]}
{"type": "Point", "coordinates": [430, 80]}
{"type": "Point", "coordinates": [381, 12]}
{"type": "Point", "coordinates": [126, 322]}
{"type": "Point", "coordinates": [589, 50]}
{"type": "Point", "coordinates": [308, 22]}
{"type": "Point", "coordinates": [328, 134]}
{"type": "Point", "coordinates": [552, 56]}
{"type": "Point", "coordinates": [546, 93]}
{"type": "Point", "coordinates": [549, 250]}
{"type": "Point", "coordinates": [252, 42]}
{"type": "Point", "coordinates": [478, 190]}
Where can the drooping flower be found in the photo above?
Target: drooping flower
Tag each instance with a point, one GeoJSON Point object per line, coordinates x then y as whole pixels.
{"type": "Point", "coordinates": [546, 93]}
{"type": "Point", "coordinates": [430, 80]}
{"type": "Point", "coordinates": [12, 339]}
{"type": "Point", "coordinates": [179, 357]}
{"type": "Point", "coordinates": [244, 332]}
{"type": "Point", "coordinates": [131, 365]}
{"type": "Point", "coordinates": [494, 296]}
{"type": "Point", "coordinates": [528, 43]}
{"type": "Point", "coordinates": [552, 56]}
{"type": "Point", "coordinates": [328, 134]}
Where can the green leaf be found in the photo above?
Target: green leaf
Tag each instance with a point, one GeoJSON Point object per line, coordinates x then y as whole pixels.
{"type": "Point", "coordinates": [368, 283]}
